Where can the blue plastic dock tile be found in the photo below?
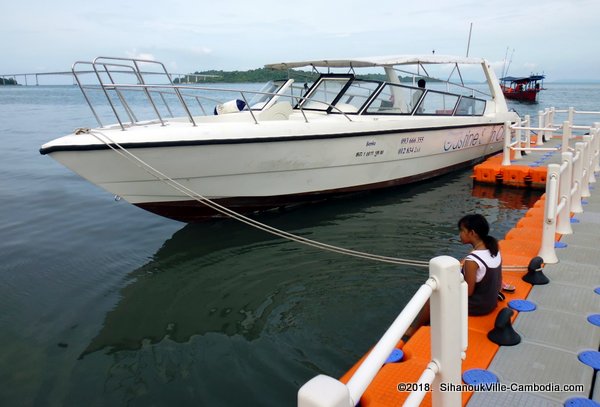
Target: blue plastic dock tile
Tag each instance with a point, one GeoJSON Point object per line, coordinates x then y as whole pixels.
{"type": "Point", "coordinates": [590, 358]}
{"type": "Point", "coordinates": [479, 376]}
{"type": "Point", "coordinates": [395, 356]}
{"type": "Point", "coordinates": [581, 402]}
{"type": "Point", "coordinates": [522, 305]}
{"type": "Point", "coordinates": [594, 319]}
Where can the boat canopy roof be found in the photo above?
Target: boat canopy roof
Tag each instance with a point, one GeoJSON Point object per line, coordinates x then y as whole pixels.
{"type": "Point", "coordinates": [523, 79]}
{"type": "Point", "coordinates": [378, 61]}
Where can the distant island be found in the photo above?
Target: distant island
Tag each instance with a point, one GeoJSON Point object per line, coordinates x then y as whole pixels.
{"type": "Point", "coordinates": [261, 75]}
{"type": "Point", "coordinates": [4, 81]}
{"type": "Point", "coordinates": [253, 75]}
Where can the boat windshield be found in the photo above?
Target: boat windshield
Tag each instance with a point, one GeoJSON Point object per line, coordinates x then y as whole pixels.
{"type": "Point", "coordinates": [325, 92]}
{"type": "Point", "coordinates": [355, 96]}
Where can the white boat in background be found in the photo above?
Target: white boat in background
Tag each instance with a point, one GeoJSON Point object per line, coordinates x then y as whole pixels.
{"type": "Point", "coordinates": [285, 144]}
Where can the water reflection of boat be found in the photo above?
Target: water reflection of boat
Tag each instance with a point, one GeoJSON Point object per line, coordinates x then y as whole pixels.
{"type": "Point", "coordinates": [179, 293]}
{"type": "Point", "coordinates": [223, 277]}
{"type": "Point", "coordinates": [523, 89]}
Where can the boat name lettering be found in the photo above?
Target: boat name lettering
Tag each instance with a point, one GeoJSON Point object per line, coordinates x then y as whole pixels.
{"type": "Point", "coordinates": [468, 140]}
{"type": "Point", "coordinates": [369, 153]}
{"type": "Point", "coordinates": [497, 135]}
{"type": "Point", "coordinates": [371, 143]}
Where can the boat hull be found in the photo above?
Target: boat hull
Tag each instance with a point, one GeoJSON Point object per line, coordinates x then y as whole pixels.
{"type": "Point", "coordinates": [190, 211]}
{"type": "Point", "coordinates": [250, 175]}
{"type": "Point", "coordinates": [529, 95]}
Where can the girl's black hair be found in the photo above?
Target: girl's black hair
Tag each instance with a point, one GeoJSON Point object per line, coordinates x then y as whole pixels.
{"type": "Point", "coordinates": [479, 225]}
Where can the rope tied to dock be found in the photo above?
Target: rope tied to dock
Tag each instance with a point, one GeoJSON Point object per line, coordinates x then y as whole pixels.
{"type": "Point", "coordinates": [137, 161]}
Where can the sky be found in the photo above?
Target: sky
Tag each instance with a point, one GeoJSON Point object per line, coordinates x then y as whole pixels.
{"type": "Point", "coordinates": [558, 38]}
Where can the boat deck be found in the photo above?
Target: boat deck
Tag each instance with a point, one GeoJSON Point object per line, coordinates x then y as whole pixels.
{"type": "Point", "coordinates": [554, 335]}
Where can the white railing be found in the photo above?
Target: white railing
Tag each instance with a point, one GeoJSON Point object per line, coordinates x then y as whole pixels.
{"type": "Point", "coordinates": [447, 292]}
{"type": "Point", "coordinates": [546, 128]}
{"type": "Point", "coordinates": [566, 184]}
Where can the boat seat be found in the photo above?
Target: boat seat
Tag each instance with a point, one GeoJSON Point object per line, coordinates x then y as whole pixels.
{"type": "Point", "coordinates": [278, 111]}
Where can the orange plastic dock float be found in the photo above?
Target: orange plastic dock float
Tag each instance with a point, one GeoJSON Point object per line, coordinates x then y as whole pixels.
{"type": "Point", "coordinates": [520, 245]}
{"type": "Point", "coordinates": [492, 171]}
{"type": "Point", "coordinates": [528, 171]}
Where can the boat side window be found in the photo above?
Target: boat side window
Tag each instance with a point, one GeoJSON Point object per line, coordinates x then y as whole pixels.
{"type": "Point", "coordinates": [437, 103]}
{"type": "Point", "coordinates": [325, 92]}
{"type": "Point", "coordinates": [394, 99]}
{"type": "Point", "coordinates": [355, 96]}
{"type": "Point", "coordinates": [468, 106]}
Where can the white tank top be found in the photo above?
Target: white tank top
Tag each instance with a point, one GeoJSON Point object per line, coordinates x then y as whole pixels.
{"type": "Point", "coordinates": [486, 256]}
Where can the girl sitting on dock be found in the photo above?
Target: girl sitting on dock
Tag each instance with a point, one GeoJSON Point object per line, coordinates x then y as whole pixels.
{"type": "Point", "coordinates": [482, 270]}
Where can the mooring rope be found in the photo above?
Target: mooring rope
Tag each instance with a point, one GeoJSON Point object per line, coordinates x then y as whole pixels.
{"type": "Point", "coordinates": [123, 152]}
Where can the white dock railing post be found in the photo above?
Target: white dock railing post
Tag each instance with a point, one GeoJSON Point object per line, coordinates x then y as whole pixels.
{"type": "Point", "coordinates": [571, 115]}
{"type": "Point", "coordinates": [563, 222]}
{"type": "Point", "coordinates": [528, 134]}
{"type": "Point", "coordinates": [594, 153]}
{"type": "Point", "coordinates": [577, 175]}
{"type": "Point", "coordinates": [542, 124]}
{"type": "Point", "coordinates": [547, 251]}
{"type": "Point", "coordinates": [566, 136]}
{"type": "Point", "coordinates": [446, 329]}
{"type": "Point", "coordinates": [596, 146]}
{"type": "Point", "coordinates": [519, 140]}
{"type": "Point", "coordinates": [590, 151]}
{"type": "Point", "coordinates": [585, 178]}
{"type": "Point", "coordinates": [507, 143]}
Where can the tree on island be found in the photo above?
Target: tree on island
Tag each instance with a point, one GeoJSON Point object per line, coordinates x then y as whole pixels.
{"type": "Point", "coordinates": [4, 81]}
{"type": "Point", "coordinates": [262, 75]}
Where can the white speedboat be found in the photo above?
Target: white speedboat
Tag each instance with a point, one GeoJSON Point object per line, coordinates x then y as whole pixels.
{"type": "Point", "coordinates": [285, 144]}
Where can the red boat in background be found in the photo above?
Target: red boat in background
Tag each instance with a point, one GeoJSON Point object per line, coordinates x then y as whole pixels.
{"type": "Point", "coordinates": [524, 89]}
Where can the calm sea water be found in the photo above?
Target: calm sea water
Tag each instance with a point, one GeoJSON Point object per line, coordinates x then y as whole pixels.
{"type": "Point", "coordinates": [104, 304]}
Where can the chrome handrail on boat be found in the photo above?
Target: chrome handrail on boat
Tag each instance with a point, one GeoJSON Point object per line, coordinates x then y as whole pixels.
{"type": "Point", "coordinates": [106, 68]}
{"type": "Point", "coordinates": [160, 93]}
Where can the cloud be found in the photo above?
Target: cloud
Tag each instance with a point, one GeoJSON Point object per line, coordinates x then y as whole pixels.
{"type": "Point", "coordinates": [140, 55]}
{"type": "Point", "coordinates": [242, 35]}
{"type": "Point", "coordinates": [198, 50]}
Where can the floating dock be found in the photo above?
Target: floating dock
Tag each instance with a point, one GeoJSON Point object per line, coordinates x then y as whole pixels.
{"type": "Point", "coordinates": [554, 358]}
{"type": "Point", "coordinates": [561, 337]}
{"type": "Point", "coordinates": [553, 336]}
